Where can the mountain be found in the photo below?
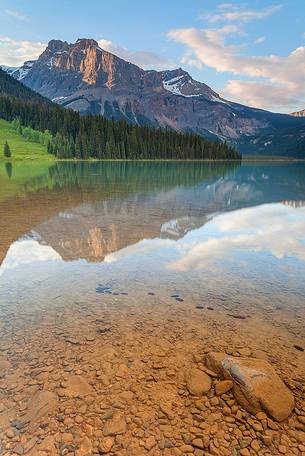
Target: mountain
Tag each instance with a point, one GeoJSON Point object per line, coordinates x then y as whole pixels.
{"type": "Point", "coordinates": [298, 113]}
{"type": "Point", "coordinates": [88, 79]}
{"type": "Point", "coordinates": [71, 135]}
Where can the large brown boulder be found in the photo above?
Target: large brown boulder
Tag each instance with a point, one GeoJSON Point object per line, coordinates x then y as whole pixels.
{"type": "Point", "coordinates": [257, 386]}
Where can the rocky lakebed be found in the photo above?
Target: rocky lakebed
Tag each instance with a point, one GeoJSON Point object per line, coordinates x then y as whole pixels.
{"type": "Point", "coordinates": [132, 376]}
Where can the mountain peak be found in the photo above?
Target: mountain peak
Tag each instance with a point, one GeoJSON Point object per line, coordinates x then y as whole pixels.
{"type": "Point", "coordinates": [55, 45]}
{"type": "Point", "coordinates": [86, 42]}
{"type": "Point", "coordinates": [81, 43]}
{"type": "Point", "coordinates": [180, 82]}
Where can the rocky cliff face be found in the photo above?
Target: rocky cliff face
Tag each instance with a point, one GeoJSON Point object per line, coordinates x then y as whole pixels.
{"type": "Point", "coordinates": [86, 78]}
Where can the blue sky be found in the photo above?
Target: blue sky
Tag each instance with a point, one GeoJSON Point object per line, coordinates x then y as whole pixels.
{"type": "Point", "coordinates": [252, 52]}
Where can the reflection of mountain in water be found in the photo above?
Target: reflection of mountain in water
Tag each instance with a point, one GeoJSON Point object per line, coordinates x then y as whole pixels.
{"type": "Point", "coordinates": [93, 230]}
{"type": "Point", "coordinates": [177, 228]}
{"type": "Point", "coordinates": [90, 210]}
{"type": "Point", "coordinates": [33, 194]}
{"type": "Point", "coordinates": [293, 203]}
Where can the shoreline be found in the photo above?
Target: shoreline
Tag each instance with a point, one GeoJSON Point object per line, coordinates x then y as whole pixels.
{"type": "Point", "coordinates": [243, 160]}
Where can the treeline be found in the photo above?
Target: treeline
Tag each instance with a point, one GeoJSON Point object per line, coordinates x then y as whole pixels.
{"type": "Point", "coordinates": [83, 137]}
{"type": "Point", "coordinates": [41, 137]}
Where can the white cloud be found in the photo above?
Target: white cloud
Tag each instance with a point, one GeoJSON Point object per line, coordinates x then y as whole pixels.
{"type": "Point", "coordinates": [144, 59]}
{"type": "Point", "coordinates": [281, 76]}
{"type": "Point", "coordinates": [16, 15]}
{"type": "Point", "coordinates": [189, 59]}
{"type": "Point", "coordinates": [227, 6]}
{"type": "Point", "coordinates": [15, 53]}
{"type": "Point", "coordinates": [260, 40]}
{"type": "Point", "coordinates": [218, 35]}
{"type": "Point", "coordinates": [264, 95]}
{"type": "Point", "coordinates": [231, 13]}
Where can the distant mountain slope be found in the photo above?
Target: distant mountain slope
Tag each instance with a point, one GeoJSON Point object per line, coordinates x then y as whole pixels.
{"type": "Point", "coordinates": [88, 79]}
{"type": "Point", "coordinates": [13, 88]}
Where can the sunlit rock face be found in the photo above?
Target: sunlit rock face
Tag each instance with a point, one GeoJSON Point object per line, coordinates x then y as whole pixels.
{"type": "Point", "coordinates": [86, 78]}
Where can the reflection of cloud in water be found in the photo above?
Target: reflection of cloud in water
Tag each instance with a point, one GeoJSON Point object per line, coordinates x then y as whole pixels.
{"type": "Point", "coordinates": [274, 228]}
{"type": "Point", "coordinates": [145, 247]}
{"type": "Point", "coordinates": [27, 251]}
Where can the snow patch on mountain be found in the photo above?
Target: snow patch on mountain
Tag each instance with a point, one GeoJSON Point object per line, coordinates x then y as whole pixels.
{"type": "Point", "coordinates": [19, 72]}
{"type": "Point", "coordinates": [50, 62]}
{"type": "Point", "coordinates": [59, 99]}
{"type": "Point", "coordinates": [9, 70]}
{"type": "Point", "coordinates": [175, 86]}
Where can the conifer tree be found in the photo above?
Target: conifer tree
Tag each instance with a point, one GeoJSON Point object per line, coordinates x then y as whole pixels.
{"type": "Point", "coordinates": [6, 150]}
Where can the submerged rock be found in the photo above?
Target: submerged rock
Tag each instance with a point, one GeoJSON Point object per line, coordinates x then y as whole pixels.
{"type": "Point", "coordinates": [115, 425]}
{"type": "Point", "coordinates": [77, 386]}
{"type": "Point", "coordinates": [85, 447]}
{"type": "Point", "coordinates": [4, 363]}
{"type": "Point", "coordinates": [198, 382]}
{"type": "Point", "coordinates": [257, 386]}
{"type": "Point", "coordinates": [106, 444]}
{"type": "Point", "coordinates": [39, 406]}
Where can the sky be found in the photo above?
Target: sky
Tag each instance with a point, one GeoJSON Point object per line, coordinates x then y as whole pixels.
{"type": "Point", "coordinates": [252, 52]}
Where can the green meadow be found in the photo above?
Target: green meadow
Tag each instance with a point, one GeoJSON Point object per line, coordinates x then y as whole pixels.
{"type": "Point", "coordinates": [21, 148]}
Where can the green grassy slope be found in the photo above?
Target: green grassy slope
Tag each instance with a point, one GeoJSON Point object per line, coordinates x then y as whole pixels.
{"type": "Point", "coordinates": [21, 149]}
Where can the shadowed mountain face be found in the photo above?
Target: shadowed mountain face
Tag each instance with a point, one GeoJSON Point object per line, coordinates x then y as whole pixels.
{"type": "Point", "coordinates": [86, 78]}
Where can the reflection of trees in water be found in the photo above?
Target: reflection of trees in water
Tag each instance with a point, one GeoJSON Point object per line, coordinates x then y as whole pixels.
{"type": "Point", "coordinates": [277, 181]}
{"type": "Point", "coordinates": [123, 177]}
{"type": "Point", "coordinates": [9, 169]}
{"type": "Point", "coordinates": [293, 203]}
{"type": "Point", "coordinates": [131, 177]}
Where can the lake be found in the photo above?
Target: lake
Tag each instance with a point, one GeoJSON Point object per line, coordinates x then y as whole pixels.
{"type": "Point", "coordinates": [118, 274]}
